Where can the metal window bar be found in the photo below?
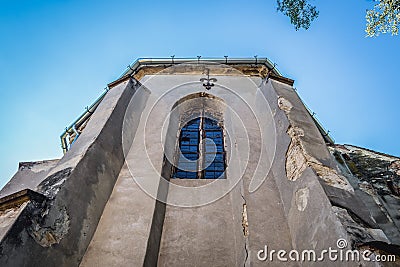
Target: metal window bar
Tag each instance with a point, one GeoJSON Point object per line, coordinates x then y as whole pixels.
{"type": "Point", "coordinates": [211, 154]}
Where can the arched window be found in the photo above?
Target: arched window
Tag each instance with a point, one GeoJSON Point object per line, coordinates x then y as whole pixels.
{"type": "Point", "coordinates": [201, 152]}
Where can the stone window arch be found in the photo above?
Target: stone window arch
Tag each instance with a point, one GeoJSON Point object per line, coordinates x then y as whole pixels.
{"type": "Point", "coordinates": [200, 150]}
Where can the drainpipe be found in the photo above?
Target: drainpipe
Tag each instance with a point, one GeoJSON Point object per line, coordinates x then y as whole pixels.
{"type": "Point", "coordinates": [78, 122]}
{"type": "Point", "coordinates": [64, 144]}
{"type": "Point", "coordinates": [76, 133]}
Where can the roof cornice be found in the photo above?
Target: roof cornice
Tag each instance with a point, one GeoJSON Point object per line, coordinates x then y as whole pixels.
{"type": "Point", "coordinates": [164, 63]}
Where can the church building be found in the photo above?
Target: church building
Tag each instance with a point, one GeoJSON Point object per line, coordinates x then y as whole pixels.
{"type": "Point", "coordinates": [202, 162]}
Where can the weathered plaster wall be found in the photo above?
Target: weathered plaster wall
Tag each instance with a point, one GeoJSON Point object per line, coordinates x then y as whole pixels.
{"type": "Point", "coordinates": [290, 209]}
{"type": "Point", "coordinates": [216, 234]}
{"type": "Point", "coordinates": [375, 177]}
{"type": "Point", "coordinates": [58, 231]}
{"type": "Point", "coordinates": [322, 203]}
{"type": "Point", "coordinates": [294, 203]}
{"type": "Point", "coordinates": [205, 242]}
{"type": "Point", "coordinates": [210, 235]}
{"type": "Point", "coordinates": [122, 234]}
{"type": "Point", "coordinates": [28, 176]}
{"type": "Point", "coordinates": [312, 222]}
{"type": "Point", "coordinates": [97, 208]}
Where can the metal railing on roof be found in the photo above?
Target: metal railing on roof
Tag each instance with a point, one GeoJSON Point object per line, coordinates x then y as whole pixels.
{"type": "Point", "coordinates": [173, 61]}
{"type": "Point", "coordinates": [134, 67]}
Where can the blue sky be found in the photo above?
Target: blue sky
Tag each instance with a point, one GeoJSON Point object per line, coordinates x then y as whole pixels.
{"type": "Point", "coordinates": [57, 56]}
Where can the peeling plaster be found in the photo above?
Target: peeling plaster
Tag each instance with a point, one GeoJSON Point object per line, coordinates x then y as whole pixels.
{"type": "Point", "coordinates": [50, 235]}
{"type": "Point", "coordinates": [245, 223]}
{"type": "Point", "coordinates": [45, 229]}
{"type": "Point", "coordinates": [284, 104]}
{"type": "Point", "coordinates": [296, 161]}
{"type": "Point", "coordinates": [302, 196]}
{"type": "Point", "coordinates": [297, 158]}
{"type": "Point", "coordinates": [52, 184]}
{"type": "Point", "coordinates": [245, 226]}
{"type": "Point", "coordinates": [330, 176]}
{"type": "Point", "coordinates": [8, 217]}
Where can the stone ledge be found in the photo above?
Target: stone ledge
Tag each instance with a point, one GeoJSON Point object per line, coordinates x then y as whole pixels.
{"type": "Point", "coordinates": [16, 199]}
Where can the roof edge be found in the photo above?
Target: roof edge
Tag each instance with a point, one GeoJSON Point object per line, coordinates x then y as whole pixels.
{"type": "Point", "coordinates": [147, 62]}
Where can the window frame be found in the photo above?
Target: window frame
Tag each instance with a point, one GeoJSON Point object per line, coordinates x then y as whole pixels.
{"type": "Point", "coordinates": [203, 130]}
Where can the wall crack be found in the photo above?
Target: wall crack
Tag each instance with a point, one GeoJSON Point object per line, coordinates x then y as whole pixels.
{"type": "Point", "coordinates": [245, 228]}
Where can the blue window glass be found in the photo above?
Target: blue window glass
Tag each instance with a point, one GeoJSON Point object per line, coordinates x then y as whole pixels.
{"type": "Point", "coordinates": [213, 150]}
{"type": "Point", "coordinates": [201, 150]}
